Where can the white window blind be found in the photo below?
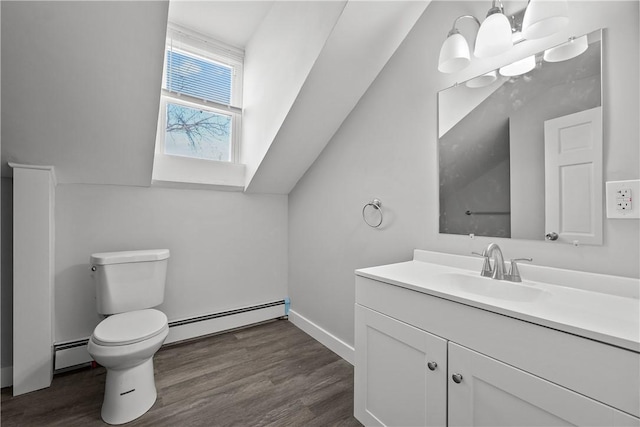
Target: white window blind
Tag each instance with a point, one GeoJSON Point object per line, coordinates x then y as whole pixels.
{"type": "Point", "coordinates": [203, 69]}
{"type": "Point", "coordinates": [201, 97]}
{"type": "Point", "coordinates": [204, 79]}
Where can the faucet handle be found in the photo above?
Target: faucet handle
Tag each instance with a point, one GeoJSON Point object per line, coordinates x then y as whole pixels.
{"type": "Point", "coordinates": [514, 273]}
{"type": "Point", "coordinates": [486, 266]}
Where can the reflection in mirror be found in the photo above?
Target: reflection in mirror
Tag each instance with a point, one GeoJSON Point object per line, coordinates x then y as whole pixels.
{"type": "Point", "coordinates": [491, 142]}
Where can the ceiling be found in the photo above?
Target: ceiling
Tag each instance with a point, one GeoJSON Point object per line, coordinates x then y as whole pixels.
{"type": "Point", "coordinates": [90, 107]}
{"type": "Point", "coordinates": [231, 22]}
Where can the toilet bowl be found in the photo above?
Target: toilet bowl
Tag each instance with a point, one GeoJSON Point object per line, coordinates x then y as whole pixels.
{"type": "Point", "coordinates": [125, 345]}
{"type": "Point", "coordinates": [128, 285]}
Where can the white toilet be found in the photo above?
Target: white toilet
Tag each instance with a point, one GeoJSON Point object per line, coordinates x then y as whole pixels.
{"type": "Point", "coordinates": [128, 284]}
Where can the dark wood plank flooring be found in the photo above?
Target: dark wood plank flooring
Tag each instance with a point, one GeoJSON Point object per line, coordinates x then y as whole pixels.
{"type": "Point", "coordinates": [271, 374]}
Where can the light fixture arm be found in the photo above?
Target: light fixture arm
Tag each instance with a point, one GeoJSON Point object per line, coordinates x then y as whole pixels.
{"type": "Point", "coordinates": [496, 9]}
{"type": "Point", "coordinates": [454, 29]}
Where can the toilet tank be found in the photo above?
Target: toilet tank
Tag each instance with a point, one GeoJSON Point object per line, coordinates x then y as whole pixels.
{"type": "Point", "coordinates": [131, 280]}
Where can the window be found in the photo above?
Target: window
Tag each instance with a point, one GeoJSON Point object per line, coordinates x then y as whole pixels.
{"type": "Point", "coordinates": [194, 131]}
{"type": "Point", "coordinates": [201, 95]}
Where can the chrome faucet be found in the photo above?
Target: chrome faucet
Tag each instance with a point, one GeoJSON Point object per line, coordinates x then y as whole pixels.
{"type": "Point", "coordinates": [514, 273]}
{"type": "Point", "coordinates": [493, 252]}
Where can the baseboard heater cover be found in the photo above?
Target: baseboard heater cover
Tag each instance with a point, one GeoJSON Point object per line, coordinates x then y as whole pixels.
{"type": "Point", "coordinates": [226, 313]}
{"type": "Point", "coordinates": [70, 354]}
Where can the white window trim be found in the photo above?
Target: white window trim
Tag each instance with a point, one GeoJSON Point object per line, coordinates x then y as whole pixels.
{"type": "Point", "coordinates": [178, 171]}
{"type": "Point", "coordinates": [212, 107]}
{"type": "Point", "coordinates": [223, 108]}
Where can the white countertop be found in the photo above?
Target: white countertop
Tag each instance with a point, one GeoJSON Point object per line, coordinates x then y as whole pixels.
{"type": "Point", "coordinates": [606, 308]}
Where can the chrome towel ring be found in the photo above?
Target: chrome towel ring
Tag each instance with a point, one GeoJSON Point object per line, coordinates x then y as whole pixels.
{"type": "Point", "coordinates": [377, 205]}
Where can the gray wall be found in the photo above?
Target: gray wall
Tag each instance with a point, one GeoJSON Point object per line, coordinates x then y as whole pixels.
{"type": "Point", "coordinates": [387, 149]}
{"type": "Point", "coordinates": [228, 250]}
{"type": "Point", "coordinates": [488, 192]}
{"type": "Point", "coordinates": [81, 86]}
{"type": "Point", "coordinates": [474, 174]}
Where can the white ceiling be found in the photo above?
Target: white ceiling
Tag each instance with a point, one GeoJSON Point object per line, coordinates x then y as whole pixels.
{"type": "Point", "coordinates": [96, 95]}
{"type": "Point", "coordinates": [231, 22]}
{"type": "Point", "coordinates": [363, 39]}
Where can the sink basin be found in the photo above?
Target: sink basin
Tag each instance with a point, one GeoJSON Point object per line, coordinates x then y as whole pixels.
{"type": "Point", "coordinates": [488, 287]}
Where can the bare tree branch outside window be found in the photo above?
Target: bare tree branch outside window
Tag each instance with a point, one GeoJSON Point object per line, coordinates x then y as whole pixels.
{"type": "Point", "coordinates": [197, 133]}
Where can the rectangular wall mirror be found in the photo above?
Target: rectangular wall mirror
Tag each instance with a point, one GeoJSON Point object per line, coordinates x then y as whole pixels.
{"type": "Point", "coordinates": [520, 156]}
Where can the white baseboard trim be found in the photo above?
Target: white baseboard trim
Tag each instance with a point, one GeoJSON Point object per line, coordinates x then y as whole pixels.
{"type": "Point", "coordinates": [6, 377]}
{"type": "Point", "coordinates": [333, 343]}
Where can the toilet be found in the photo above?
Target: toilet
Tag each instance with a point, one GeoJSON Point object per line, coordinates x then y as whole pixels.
{"type": "Point", "coordinates": [128, 285]}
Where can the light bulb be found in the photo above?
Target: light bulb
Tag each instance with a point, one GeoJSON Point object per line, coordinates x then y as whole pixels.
{"type": "Point", "coordinates": [544, 17]}
{"type": "Point", "coordinates": [494, 36]}
{"type": "Point", "coordinates": [519, 67]}
{"type": "Point", "coordinates": [568, 50]}
{"type": "Point", "coordinates": [454, 54]}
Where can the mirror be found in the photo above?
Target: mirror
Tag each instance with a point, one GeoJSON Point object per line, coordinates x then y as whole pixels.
{"type": "Point", "coordinates": [491, 146]}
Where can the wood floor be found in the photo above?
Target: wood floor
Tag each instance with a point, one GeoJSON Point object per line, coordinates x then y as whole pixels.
{"type": "Point", "coordinates": [267, 375]}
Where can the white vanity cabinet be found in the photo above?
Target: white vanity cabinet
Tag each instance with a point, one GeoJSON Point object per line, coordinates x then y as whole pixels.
{"type": "Point", "coordinates": [491, 369]}
{"type": "Point", "coordinates": [401, 373]}
{"type": "Point", "coordinates": [492, 393]}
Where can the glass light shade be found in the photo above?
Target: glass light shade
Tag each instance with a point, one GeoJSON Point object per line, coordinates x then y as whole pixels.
{"type": "Point", "coordinates": [568, 50]}
{"type": "Point", "coordinates": [494, 36]}
{"type": "Point", "coordinates": [454, 54]}
{"type": "Point", "coordinates": [544, 17]}
{"type": "Point", "coordinates": [483, 80]}
{"type": "Point", "coordinates": [519, 67]}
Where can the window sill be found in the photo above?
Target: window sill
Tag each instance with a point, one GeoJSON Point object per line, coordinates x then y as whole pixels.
{"type": "Point", "coordinates": [185, 172]}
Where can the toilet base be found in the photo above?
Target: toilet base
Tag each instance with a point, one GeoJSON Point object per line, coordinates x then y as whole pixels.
{"type": "Point", "coordinates": [128, 393]}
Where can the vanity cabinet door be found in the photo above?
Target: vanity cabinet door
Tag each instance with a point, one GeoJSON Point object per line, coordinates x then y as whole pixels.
{"type": "Point", "coordinates": [485, 392]}
{"type": "Point", "coordinates": [400, 373]}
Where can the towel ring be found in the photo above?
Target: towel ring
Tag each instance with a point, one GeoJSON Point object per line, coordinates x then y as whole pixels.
{"type": "Point", "coordinates": [377, 205]}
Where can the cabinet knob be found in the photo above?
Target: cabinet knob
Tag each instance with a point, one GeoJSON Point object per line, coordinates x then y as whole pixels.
{"type": "Point", "coordinates": [457, 378]}
{"type": "Point", "coordinates": [432, 366]}
{"type": "Point", "coordinates": [551, 236]}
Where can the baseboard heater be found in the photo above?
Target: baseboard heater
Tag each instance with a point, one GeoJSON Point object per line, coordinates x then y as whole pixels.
{"type": "Point", "coordinates": [73, 354]}
{"type": "Point", "coordinates": [225, 313]}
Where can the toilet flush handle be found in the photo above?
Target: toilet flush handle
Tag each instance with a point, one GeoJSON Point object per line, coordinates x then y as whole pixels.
{"type": "Point", "coordinates": [93, 268]}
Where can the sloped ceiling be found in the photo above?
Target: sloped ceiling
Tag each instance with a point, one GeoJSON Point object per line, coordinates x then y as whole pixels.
{"type": "Point", "coordinates": [80, 86]}
{"type": "Point", "coordinates": [364, 38]}
{"type": "Point", "coordinates": [231, 22]}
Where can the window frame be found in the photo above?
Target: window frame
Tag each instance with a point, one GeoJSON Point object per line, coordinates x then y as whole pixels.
{"type": "Point", "coordinates": [202, 48]}
{"type": "Point", "coordinates": [234, 150]}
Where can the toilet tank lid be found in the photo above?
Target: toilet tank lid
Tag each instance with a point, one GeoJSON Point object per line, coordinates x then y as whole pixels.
{"type": "Point", "coordinates": [105, 258]}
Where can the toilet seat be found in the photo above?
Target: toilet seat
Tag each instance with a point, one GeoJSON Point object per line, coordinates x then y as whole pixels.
{"type": "Point", "coordinates": [130, 327]}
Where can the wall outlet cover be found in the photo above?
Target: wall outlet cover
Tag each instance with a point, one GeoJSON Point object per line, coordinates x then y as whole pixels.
{"type": "Point", "coordinates": [623, 199]}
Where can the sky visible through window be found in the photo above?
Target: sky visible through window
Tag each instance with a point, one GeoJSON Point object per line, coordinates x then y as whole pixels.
{"type": "Point", "coordinates": [193, 131]}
